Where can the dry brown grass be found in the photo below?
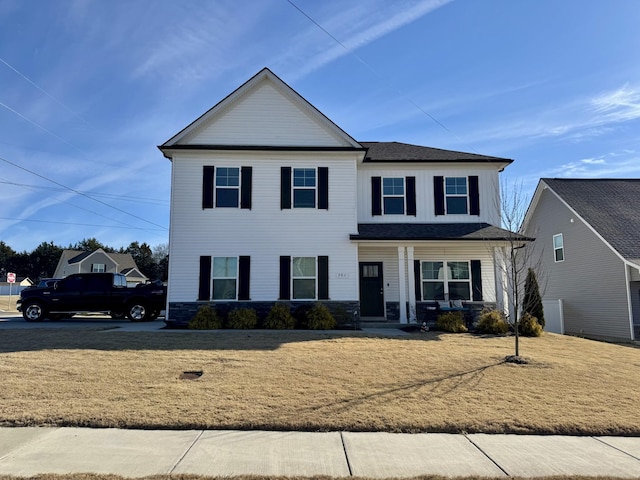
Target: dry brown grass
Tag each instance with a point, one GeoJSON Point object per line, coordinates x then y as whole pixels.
{"type": "Point", "coordinates": [317, 381]}
{"type": "Point", "coordinates": [6, 305]}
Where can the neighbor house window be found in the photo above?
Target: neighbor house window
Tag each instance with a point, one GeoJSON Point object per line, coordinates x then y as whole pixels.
{"type": "Point", "coordinates": [456, 196]}
{"type": "Point", "coordinates": [303, 275]}
{"type": "Point", "coordinates": [227, 187]}
{"type": "Point", "coordinates": [446, 280]}
{"type": "Point", "coordinates": [98, 268]}
{"type": "Point", "coordinates": [558, 248]}
{"type": "Point", "coordinates": [225, 278]}
{"type": "Point", "coordinates": [393, 196]}
{"type": "Point", "coordinates": [304, 188]}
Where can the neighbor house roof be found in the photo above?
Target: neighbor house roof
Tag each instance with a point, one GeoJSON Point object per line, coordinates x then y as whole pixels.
{"type": "Point", "coordinates": [435, 231]}
{"type": "Point", "coordinates": [610, 206]}
{"type": "Point", "coordinates": [405, 152]}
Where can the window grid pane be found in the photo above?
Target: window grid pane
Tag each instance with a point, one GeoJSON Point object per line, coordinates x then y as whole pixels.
{"type": "Point", "coordinates": [452, 282]}
{"type": "Point", "coordinates": [227, 177]}
{"type": "Point", "coordinates": [304, 177]}
{"type": "Point", "coordinates": [456, 185]}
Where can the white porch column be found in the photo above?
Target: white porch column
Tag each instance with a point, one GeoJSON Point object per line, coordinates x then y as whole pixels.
{"type": "Point", "coordinates": [403, 285]}
{"type": "Point", "coordinates": [412, 285]}
{"type": "Point", "coordinates": [499, 262]}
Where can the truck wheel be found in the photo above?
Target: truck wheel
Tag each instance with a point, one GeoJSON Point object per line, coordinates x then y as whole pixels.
{"type": "Point", "coordinates": [34, 312]}
{"type": "Point", "coordinates": [138, 312]}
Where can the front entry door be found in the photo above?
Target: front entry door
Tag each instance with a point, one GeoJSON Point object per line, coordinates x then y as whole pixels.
{"type": "Point", "coordinates": [371, 289]}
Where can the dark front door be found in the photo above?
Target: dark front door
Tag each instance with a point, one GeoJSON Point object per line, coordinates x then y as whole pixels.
{"type": "Point", "coordinates": [371, 289]}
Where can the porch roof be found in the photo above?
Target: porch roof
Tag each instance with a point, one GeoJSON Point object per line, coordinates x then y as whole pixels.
{"type": "Point", "coordinates": [436, 231]}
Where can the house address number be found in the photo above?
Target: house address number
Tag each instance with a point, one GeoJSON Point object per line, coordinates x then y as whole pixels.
{"type": "Point", "coordinates": [342, 275]}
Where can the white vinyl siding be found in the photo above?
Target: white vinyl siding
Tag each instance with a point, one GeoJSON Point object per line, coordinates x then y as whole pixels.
{"type": "Point", "coordinates": [488, 184]}
{"type": "Point", "coordinates": [266, 117]}
{"type": "Point", "coordinates": [265, 232]}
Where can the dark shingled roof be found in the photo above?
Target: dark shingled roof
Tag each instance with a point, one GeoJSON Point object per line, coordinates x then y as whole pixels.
{"type": "Point", "coordinates": [434, 231]}
{"type": "Point", "coordinates": [405, 152]}
{"type": "Point", "coordinates": [610, 206]}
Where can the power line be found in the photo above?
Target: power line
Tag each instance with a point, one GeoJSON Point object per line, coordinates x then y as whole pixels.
{"type": "Point", "coordinates": [79, 224]}
{"type": "Point", "coordinates": [44, 91]}
{"type": "Point", "coordinates": [82, 194]}
{"type": "Point", "coordinates": [150, 201]}
{"type": "Point", "coordinates": [361, 60]}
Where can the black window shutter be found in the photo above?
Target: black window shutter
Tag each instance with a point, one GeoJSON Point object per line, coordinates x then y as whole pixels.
{"type": "Point", "coordinates": [285, 278]}
{"type": "Point", "coordinates": [438, 195]}
{"type": "Point", "coordinates": [376, 196]}
{"type": "Point", "coordinates": [244, 274]}
{"type": "Point", "coordinates": [204, 290]}
{"type": "Point", "coordinates": [245, 188]}
{"type": "Point", "coordinates": [476, 281]}
{"type": "Point", "coordinates": [323, 188]}
{"type": "Point", "coordinates": [208, 172]}
{"type": "Point", "coordinates": [416, 276]}
{"type": "Point", "coordinates": [285, 188]}
{"type": "Point", "coordinates": [474, 196]}
{"type": "Point", "coordinates": [323, 278]}
{"type": "Point", "coordinates": [411, 195]}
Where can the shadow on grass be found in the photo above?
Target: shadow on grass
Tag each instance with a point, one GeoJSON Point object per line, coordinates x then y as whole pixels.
{"type": "Point", "coordinates": [105, 338]}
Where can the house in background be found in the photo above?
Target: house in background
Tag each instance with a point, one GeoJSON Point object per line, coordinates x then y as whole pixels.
{"type": "Point", "coordinates": [271, 201]}
{"type": "Point", "coordinates": [588, 241]}
{"type": "Point", "coordinates": [78, 261]}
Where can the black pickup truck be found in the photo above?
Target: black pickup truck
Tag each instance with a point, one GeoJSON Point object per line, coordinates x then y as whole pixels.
{"type": "Point", "coordinates": [93, 292]}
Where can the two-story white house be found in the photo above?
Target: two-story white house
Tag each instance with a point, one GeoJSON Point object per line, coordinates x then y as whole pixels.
{"type": "Point", "coordinates": [271, 201]}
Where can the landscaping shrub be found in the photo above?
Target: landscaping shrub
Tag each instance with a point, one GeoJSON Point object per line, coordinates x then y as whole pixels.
{"type": "Point", "coordinates": [451, 322]}
{"type": "Point", "coordinates": [280, 318]}
{"type": "Point", "coordinates": [242, 318]}
{"type": "Point", "coordinates": [529, 326]}
{"type": "Point", "coordinates": [206, 318]}
{"type": "Point", "coordinates": [320, 318]}
{"type": "Point", "coordinates": [493, 322]}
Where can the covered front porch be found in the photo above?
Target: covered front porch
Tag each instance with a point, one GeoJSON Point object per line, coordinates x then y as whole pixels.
{"type": "Point", "coordinates": [405, 280]}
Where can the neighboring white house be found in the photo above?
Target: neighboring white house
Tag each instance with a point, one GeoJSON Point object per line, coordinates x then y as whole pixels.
{"type": "Point", "coordinates": [78, 261]}
{"type": "Point", "coordinates": [588, 239]}
{"type": "Point", "coordinates": [271, 201]}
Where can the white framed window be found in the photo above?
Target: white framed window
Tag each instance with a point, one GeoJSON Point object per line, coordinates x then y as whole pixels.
{"type": "Point", "coordinates": [304, 188]}
{"type": "Point", "coordinates": [446, 280]}
{"type": "Point", "coordinates": [227, 187]}
{"type": "Point", "coordinates": [225, 278]}
{"type": "Point", "coordinates": [98, 268]}
{"type": "Point", "coordinates": [558, 248]}
{"type": "Point", "coordinates": [456, 195]}
{"type": "Point", "coordinates": [304, 278]}
{"type": "Point", "coordinates": [393, 196]}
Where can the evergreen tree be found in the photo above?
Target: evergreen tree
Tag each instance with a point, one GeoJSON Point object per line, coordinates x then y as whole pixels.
{"type": "Point", "coordinates": [532, 301]}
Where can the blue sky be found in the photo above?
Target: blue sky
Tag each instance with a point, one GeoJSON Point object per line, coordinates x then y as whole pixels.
{"type": "Point", "coordinates": [88, 89]}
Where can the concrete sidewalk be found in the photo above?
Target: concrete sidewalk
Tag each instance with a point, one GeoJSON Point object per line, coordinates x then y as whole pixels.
{"type": "Point", "coordinates": [135, 453]}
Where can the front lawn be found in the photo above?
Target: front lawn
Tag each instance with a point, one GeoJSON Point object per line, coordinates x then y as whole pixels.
{"type": "Point", "coordinates": [302, 380]}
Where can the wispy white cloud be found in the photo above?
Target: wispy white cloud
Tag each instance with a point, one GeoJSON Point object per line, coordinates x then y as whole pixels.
{"type": "Point", "coordinates": [614, 164]}
{"type": "Point", "coordinates": [354, 28]}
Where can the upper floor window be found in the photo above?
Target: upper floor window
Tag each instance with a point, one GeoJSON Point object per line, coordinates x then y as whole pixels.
{"type": "Point", "coordinates": [455, 191]}
{"type": "Point", "coordinates": [304, 188]}
{"type": "Point", "coordinates": [446, 280]}
{"type": "Point", "coordinates": [225, 278]}
{"type": "Point", "coordinates": [227, 187]}
{"type": "Point", "coordinates": [393, 196]}
{"type": "Point", "coordinates": [98, 268]}
{"type": "Point", "coordinates": [456, 195]}
{"type": "Point", "coordinates": [558, 248]}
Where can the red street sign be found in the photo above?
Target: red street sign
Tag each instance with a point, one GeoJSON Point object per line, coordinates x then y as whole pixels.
{"type": "Point", "coordinates": [11, 277]}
